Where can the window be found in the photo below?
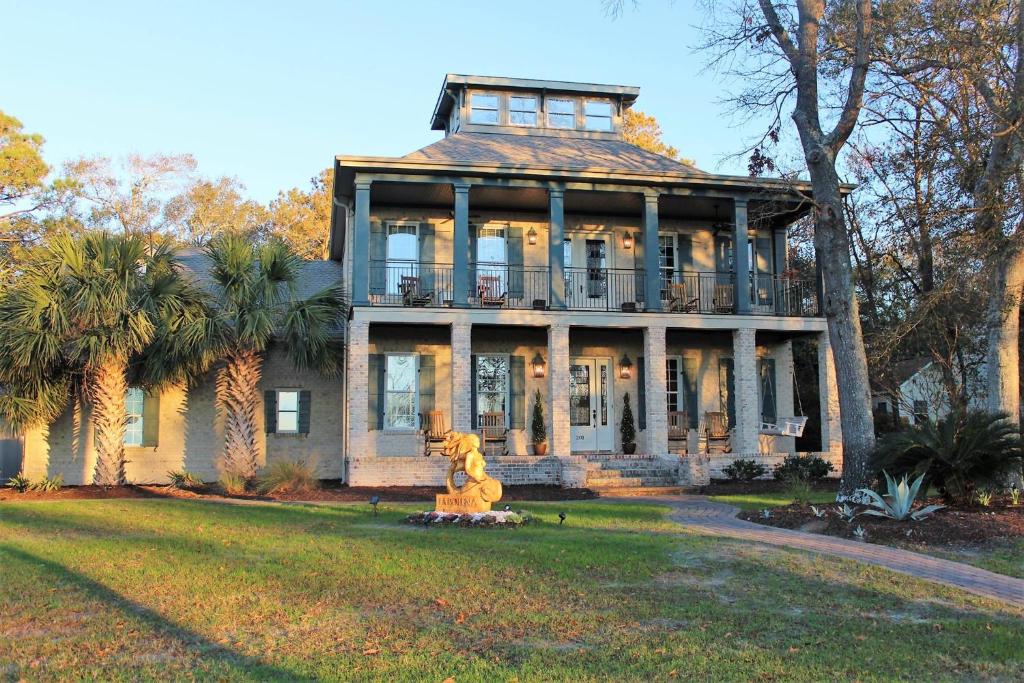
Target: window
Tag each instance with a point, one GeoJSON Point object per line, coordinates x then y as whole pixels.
{"type": "Point", "coordinates": [522, 111]}
{"type": "Point", "coordinates": [134, 402]}
{"type": "Point", "coordinates": [400, 391]}
{"type": "Point", "coordinates": [597, 115]}
{"type": "Point", "coordinates": [492, 254]}
{"type": "Point", "coordinates": [402, 254]}
{"type": "Point", "coordinates": [883, 408]}
{"type": "Point", "coordinates": [492, 385]}
{"type": "Point", "coordinates": [666, 262]}
{"type": "Point", "coordinates": [672, 383]}
{"type": "Point", "coordinates": [920, 412]}
{"type": "Point", "coordinates": [483, 108]}
{"type": "Point", "coordinates": [287, 412]}
{"type": "Point", "coordinates": [561, 113]}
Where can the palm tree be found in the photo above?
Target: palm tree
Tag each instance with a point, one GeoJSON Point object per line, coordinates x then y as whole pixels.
{"type": "Point", "coordinates": [255, 286]}
{"type": "Point", "coordinates": [85, 315]}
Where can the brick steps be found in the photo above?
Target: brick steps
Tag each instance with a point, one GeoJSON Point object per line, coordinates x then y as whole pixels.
{"type": "Point", "coordinates": [641, 491]}
{"type": "Point", "coordinates": [630, 475]}
{"type": "Point", "coordinates": [629, 482]}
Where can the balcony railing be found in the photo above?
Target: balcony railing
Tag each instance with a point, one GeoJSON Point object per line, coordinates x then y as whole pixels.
{"type": "Point", "coordinates": [585, 289]}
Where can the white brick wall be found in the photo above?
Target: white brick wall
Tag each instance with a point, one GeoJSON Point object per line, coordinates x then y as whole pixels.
{"type": "Point", "coordinates": [422, 471]}
{"type": "Point", "coordinates": [717, 463]}
{"type": "Point", "coordinates": [654, 390]}
{"type": "Point", "coordinates": [558, 390]}
{"type": "Point", "coordinates": [462, 373]}
{"type": "Point", "coordinates": [748, 414]}
{"type": "Point", "coordinates": [358, 375]}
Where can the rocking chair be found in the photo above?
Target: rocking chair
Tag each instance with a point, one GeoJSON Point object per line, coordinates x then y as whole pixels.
{"type": "Point", "coordinates": [716, 432]}
{"type": "Point", "coordinates": [411, 293]}
{"type": "Point", "coordinates": [487, 292]}
{"type": "Point", "coordinates": [434, 432]}
{"type": "Point", "coordinates": [493, 432]}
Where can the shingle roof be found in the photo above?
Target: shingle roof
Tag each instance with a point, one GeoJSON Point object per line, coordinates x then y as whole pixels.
{"type": "Point", "coordinates": [313, 277]}
{"type": "Point", "coordinates": [543, 150]}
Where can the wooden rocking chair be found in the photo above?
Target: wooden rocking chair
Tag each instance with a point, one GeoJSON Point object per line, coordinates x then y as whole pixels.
{"type": "Point", "coordinates": [679, 299]}
{"type": "Point", "coordinates": [716, 433]}
{"type": "Point", "coordinates": [493, 432]}
{"type": "Point", "coordinates": [411, 293]}
{"type": "Point", "coordinates": [487, 292]}
{"type": "Point", "coordinates": [725, 299]}
{"type": "Point", "coordinates": [678, 427]}
{"type": "Point", "coordinates": [434, 432]}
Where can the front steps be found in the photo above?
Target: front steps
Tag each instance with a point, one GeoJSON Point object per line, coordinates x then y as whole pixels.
{"type": "Point", "coordinates": [631, 475]}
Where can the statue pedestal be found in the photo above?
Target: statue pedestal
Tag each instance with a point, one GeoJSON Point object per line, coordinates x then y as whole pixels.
{"type": "Point", "coordinates": [461, 503]}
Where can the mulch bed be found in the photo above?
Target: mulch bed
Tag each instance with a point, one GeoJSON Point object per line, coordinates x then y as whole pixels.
{"type": "Point", "coordinates": [952, 528]}
{"type": "Point", "coordinates": [328, 492]}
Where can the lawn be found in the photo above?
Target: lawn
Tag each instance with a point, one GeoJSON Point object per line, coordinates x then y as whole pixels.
{"type": "Point", "coordinates": [758, 501]}
{"type": "Point", "coordinates": [1005, 559]}
{"type": "Point", "coordinates": [137, 589]}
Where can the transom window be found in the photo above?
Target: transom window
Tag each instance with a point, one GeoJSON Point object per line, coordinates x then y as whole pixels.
{"type": "Point", "coordinates": [134, 401]}
{"type": "Point", "coordinates": [400, 391]}
{"type": "Point", "coordinates": [561, 113]}
{"type": "Point", "coordinates": [522, 111]}
{"type": "Point", "coordinates": [483, 108]}
{"type": "Point", "coordinates": [492, 385]}
{"type": "Point", "coordinates": [597, 115]}
{"type": "Point", "coordinates": [287, 412]}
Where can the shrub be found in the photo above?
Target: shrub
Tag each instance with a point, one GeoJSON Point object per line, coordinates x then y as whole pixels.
{"type": "Point", "coordinates": [984, 498]}
{"type": "Point", "coordinates": [537, 429]}
{"type": "Point", "coordinates": [957, 454]}
{"type": "Point", "coordinates": [901, 500]}
{"type": "Point", "coordinates": [744, 470]}
{"type": "Point", "coordinates": [184, 480]}
{"type": "Point", "coordinates": [48, 484]}
{"type": "Point", "coordinates": [287, 475]}
{"type": "Point", "coordinates": [805, 467]}
{"type": "Point", "coordinates": [799, 490]}
{"type": "Point", "coordinates": [627, 428]}
{"type": "Point", "coordinates": [19, 483]}
{"type": "Point", "coordinates": [233, 484]}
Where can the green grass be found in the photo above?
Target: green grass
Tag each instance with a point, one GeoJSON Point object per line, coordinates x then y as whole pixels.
{"type": "Point", "coordinates": [757, 501]}
{"type": "Point", "coordinates": [129, 590]}
{"type": "Point", "coordinates": [1007, 560]}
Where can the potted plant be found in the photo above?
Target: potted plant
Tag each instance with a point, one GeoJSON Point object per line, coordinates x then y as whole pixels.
{"type": "Point", "coordinates": [537, 430]}
{"type": "Point", "coordinates": [627, 428]}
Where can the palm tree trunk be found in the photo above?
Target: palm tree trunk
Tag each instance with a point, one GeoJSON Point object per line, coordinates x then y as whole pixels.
{"type": "Point", "coordinates": [239, 401]}
{"type": "Point", "coordinates": [107, 395]}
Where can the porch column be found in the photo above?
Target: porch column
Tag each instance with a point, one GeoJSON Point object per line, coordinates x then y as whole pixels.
{"type": "Point", "coordinates": [357, 375]}
{"type": "Point", "coordinates": [785, 399]}
{"type": "Point", "coordinates": [655, 388]}
{"type": "Point", "coordinates": [558, 389]}
{"type": "Point", "coordinates": [745, 384]}
{"type": "Point", "coordinates": [361, 246]}
{"type": "Point", "coordinates": [741, 264]}
{"type": "Point", "coordinates": [460, 246]}
{"type": "Point", "coordinates": [462, 376]}
{"type": "Point", "coordinates": [652, 271]}
{"type": "Point", "coordinates": [556, 250]}
{"type": "Point", "coordinates": [828, 397]}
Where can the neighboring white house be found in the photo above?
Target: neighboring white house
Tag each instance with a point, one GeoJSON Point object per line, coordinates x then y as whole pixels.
{"type": "Point", "coordinates": [920, 394]}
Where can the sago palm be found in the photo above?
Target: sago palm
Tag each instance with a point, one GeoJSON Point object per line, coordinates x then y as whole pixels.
{"type": "Point", "coordinates": [255, 286]}
{"type": "Point", "coordinates": [84, 316]}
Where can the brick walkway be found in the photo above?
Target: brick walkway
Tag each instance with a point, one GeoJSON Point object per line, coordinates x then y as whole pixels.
{"type": "Point", "coordinates": [702, 516]}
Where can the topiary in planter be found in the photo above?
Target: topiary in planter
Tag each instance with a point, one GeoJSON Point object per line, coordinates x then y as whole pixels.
{"type": "Point", "coordinates": [537, 430]}
{"type": "Point", "coordinates": [627, 428]}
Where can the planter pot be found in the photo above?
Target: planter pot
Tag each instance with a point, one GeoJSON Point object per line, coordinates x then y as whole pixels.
{"type": "Point", "coordinates": [540, 448]}
{"type": "Point", "coordinates": [629, 448]}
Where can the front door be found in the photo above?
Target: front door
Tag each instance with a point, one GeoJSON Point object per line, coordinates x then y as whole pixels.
{"type": "Point", "coordinates": [590, 404]}
{"type": "Point", "coordinates": [587, 264]}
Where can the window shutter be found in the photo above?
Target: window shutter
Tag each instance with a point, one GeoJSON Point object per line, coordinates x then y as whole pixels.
{"type": "Point", "coordinates": [426, 384]}
{"type": "Point", "coordinates": [151, 419]}
{"type": "Point", "coordinates": [726, 390]}
{"type": "Point", "coordinates": [685, 247]}
{"type": "Point", "coordinates": [766, 369]}
{"type": "Point", "coordinates": [690, 389]}
{"type": "Point", "coordinates": [426, 271]}
{"type": "Point", "coordinates": [305, 404]}
{"type": "Point", "coordinates": [270, 411]}
{"type": "Point", "coordinates": [472, 389]}
{"type": "Point", "coordinates": [471, 264]}
{"type": "Point", "coordinates": [641, 394]}
{"type": "Point", "coordinates": [375, 382]}
{"type": "Point", "coordinates": [639, 286]}
{"type": "Point", "coordinates": [517, 390]}
{"type": "Point", "coordinates": [378, 257]}
{"type": "Point", "coordinates": [515, 263]}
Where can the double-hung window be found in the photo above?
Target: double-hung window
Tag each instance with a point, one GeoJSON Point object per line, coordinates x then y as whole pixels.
{"type": "Point", "coordinates": [597, 115]}
{"type": "Point", "coordinates": [561, 113]}
{"type": "Point", "coordinates": [522, 111]}
{"type": "Point", "coordinates": [492, 257]}
{"type": "Point", "coordinates": [492, 385]}
{"type": "Point", "coordinates": [483, 108]}
{"type": "Point", "coordinates": [134, 403]}
{"type": "Point", "coordinates": [666, 262]}
{"type": "Point", "coordinates": [287, 411]}
{"type": "Point", "coordinates": [402, 254]}
{"type": "Point", "coordinates": [672, 368]}
{"type": "Point", "coordinates": [400, 387]}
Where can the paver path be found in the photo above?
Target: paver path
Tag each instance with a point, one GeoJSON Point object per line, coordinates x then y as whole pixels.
{"type": "Point", "coordinates": [700, 515]}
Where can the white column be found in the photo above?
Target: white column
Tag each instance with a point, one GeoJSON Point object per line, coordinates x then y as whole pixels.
{"type": "Point", "coordinates": [828, 395]}
{"type": "Point", "coordinates": [357, 374]}
{"type": "Point", "coordinates": [462, 376]}
{"type": "Point", "coordinates": [655, 389]}
{"type": "Point", "coordinates": [745, 384]}
{"type": "Point", "coordinates": [558, 389]}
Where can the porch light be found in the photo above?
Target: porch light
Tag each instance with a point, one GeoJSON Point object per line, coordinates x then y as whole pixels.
{"type": "Point", "coordinates": [538, 365]}
{"type": "Point", "coordinates": [627, 241]}
{"type": "Point", "coordinates": [531, 236]}
{"type": "Point", "coordinates": [625, 367]}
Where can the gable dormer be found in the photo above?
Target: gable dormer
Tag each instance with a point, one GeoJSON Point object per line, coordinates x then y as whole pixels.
{"type": "Point", "coordinates": [524, 106]}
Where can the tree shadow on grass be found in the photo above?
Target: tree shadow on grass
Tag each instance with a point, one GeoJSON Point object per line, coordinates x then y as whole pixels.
{"type": "Point", "coordinates": [195, 643]}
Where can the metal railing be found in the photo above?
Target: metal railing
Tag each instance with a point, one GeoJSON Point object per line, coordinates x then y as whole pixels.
{"type": "Point", "coordinates": [604, 289]}
{"type": "Point", "coordinates": [783, 295]}
{"type": "Point", "coordinates": [504, 286]}
{"type": "Point", "coordinates": [411, 283]}
{"type": "Point", "coordinates": [698, 292]}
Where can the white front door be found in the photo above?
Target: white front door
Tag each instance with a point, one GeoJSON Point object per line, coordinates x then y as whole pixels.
{"type": "Point", "coordinates": [590, 404]}
{"type": "Point", "coordinates": [587, 262]}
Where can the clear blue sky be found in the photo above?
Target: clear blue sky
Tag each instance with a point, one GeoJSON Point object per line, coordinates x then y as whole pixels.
{"type": "Point", "coordinates": [269, 92]}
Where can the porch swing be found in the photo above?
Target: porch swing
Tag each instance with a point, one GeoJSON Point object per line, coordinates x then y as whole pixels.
{"type": "Point", "coordinates": [788, 426]}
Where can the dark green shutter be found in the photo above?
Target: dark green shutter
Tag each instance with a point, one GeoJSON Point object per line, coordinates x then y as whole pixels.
{"type": "Point", "coordinates": [426, 257]}
{"type": "Point", "coordinates": [766, 370]}
{"type": "Point", "coordinates": [471, 277]}
{"type": "Point", "coordinates": [151, 419]}
{"type": "Point", "coordinates": [270, 411]}
{"type": "Point", "coordinates": [685, 247]}
{"type": "Point", "coordinates": [517, 390]}
{"type": "Point", "coordinates": [727, 389]}
{"type": "Point", "coordinates": [305, 405]}
{"type": "Point", "coordinates": [375, 410]}
{"type": "Point", "coordinates": [472, 390]}
{"type": "Point", "coordinates": [378, 257]}
{"type": "Point", "coordinates": [426, 384]}
{"type": "Point", "coordinates": [723, 260]}
{"type": "Point", "coordinates": [641, 394]}
{"type": "Point", "coordinates": [639, 285]}
{"type": "Point", "coordinates": [515, 263]}
{"type": "Point", "coordinates": [690, 390]}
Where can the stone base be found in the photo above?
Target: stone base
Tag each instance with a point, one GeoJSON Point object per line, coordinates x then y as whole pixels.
{"type": "Point", "coordinates": [461, 503]}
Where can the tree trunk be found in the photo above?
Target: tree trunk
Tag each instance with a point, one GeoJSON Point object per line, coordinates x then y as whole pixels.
{"type": "Point", "coordinates": [1003, 322]}
{"type": "Point", "coordinates": [107, 394]}
{"type": "Point", "coordinates": [239, 401]}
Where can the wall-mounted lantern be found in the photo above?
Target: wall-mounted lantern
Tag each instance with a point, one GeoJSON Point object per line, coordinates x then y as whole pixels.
{"type": "Point", "coordinates": [538, 365]}
{"type": "Point", "coordinates": [625, 367]}
{"type": "Point", "coordinates": [627, 240]}
{"type": "Point", "coordinates": [531, 236]}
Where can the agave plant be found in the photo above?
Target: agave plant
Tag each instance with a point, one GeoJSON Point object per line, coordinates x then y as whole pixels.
{"type": "Point", "coordinates": [846, 513]}
{"type": "Point", "coordinates": [901, 500]}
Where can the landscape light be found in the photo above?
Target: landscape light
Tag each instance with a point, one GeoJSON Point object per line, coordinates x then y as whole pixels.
{"type": "Point", "coordinates": [561, 518]}
{"type": "Point", "coordinates": [373, 502]}
{"type": "Point", "coordinates": [507, 508]}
